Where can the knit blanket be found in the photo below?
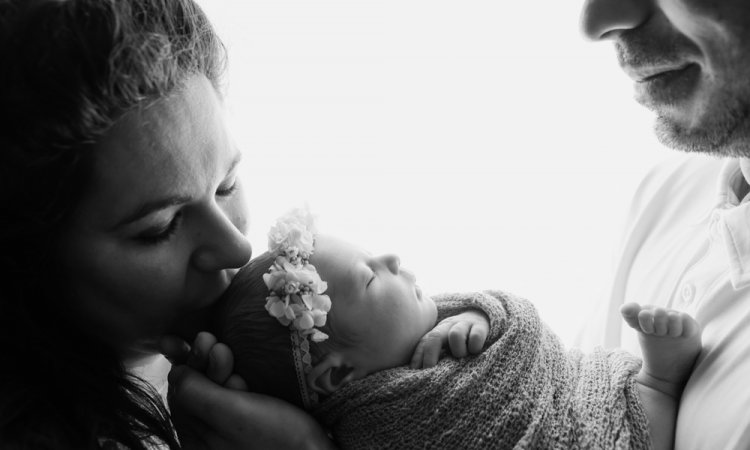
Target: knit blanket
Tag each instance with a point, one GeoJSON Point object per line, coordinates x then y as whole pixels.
{"type": "Point", "coordinates": [524, 391]}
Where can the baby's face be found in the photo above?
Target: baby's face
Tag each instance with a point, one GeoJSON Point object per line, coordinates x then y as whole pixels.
{"type": "Point", "coordinates": [377, 312]}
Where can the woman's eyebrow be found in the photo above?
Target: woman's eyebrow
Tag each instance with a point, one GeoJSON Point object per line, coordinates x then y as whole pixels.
{"type": "Point", "coordinates": [156, 205]}
{"type": "Point", "coordinates": [235, 161]}
{"type": "Point", "coordinates": [151, 207]}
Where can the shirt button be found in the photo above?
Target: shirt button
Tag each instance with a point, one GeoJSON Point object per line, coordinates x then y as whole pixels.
{"type": "Point", "coordinates": [688, 293]}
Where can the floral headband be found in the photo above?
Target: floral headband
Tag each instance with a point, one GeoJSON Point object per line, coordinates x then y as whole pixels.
{"type": "Point", "coordinates": [296, 295]}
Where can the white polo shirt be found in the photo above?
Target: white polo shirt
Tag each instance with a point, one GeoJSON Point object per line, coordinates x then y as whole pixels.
{"type": "Point", "coordinates": [687, 247]}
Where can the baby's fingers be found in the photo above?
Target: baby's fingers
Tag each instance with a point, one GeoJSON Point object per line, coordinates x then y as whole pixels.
{"type": "Point", "coordinates": [416, 358]}
{"type": "Point", "coordinates": [457, 339]}
{"type": "Point", "coordinates": [477, 337]}
{"type": "Point", "coordinates": [428, 349]}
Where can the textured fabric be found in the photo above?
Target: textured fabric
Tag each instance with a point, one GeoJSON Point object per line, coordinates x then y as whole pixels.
{"type": "Point", "coordinates": [686, 247]}
{"type": "Point", "coordinates": [522, 391]}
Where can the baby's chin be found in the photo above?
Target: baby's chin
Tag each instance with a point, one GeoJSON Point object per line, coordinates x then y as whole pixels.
{"type": "Point", "coordinates": [432, 307]}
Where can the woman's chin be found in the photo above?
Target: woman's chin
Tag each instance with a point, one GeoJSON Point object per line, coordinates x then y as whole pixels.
{"type": "Point", "coordinates": [191, 323]}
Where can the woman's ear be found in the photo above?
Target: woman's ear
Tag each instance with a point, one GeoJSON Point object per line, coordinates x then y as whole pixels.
{"type": "Point", "coordinates": [330, 374]}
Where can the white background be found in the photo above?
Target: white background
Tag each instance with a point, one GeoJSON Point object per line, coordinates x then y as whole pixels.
{"type": "Point", "coordinates": [484, 142]}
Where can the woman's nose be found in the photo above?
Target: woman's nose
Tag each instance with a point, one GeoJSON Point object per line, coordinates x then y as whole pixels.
{"type": "Point", "coordinates": [603, 19]}
{"type": "Point", "coordinates": [392, 263]}
{"type": "Point", "coordinates": [221, 244]}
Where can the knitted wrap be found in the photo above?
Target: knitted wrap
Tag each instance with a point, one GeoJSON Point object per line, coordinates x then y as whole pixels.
{"type": "Point", "coordinates": [523, 391]}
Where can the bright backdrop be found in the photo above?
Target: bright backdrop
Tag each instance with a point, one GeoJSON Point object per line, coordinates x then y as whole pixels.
{"type": "Point", "coordinates": [484, 142]}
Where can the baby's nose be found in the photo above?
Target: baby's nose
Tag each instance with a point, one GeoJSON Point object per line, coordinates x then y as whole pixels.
{"type": "Point", "coordinates": [392, 263]}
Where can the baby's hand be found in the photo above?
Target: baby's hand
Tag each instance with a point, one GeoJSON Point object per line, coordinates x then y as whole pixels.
{"type": "Point", "coordinates": [464, 334]}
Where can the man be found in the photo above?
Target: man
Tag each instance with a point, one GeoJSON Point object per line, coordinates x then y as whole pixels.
{"type": "Point", "coordinates": [687, 242]}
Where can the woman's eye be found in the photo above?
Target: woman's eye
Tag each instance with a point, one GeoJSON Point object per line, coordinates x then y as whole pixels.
{"type": "Point", "coordinates": [227, 191]}
{"type": "Point", "coordinates": [372, 278]}
{"type": "Point", "coordinates": [159, 235]}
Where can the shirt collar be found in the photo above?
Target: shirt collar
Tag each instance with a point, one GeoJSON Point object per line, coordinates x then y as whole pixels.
{"type": "Point", "coordinates": [730, 184]}
{"type": "Point", "coordinates": [734, 223]}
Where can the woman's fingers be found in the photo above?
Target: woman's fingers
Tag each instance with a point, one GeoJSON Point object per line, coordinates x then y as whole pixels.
{"type": "Point", "coordinates": [202, 346]}
{"type": "Point", "coordinates": [208, 356]}
{"type": "Point", "coordinates": [220, 363]}
{"type": "Point", "coordinates": [174, 348]}
{"type": "Point", "coordinates": [236, 383]}
{"type": "Point", "coordinates": [189, 429]}
{"type": "Point", "coordinates": [214, 417]}
{"type": "Point", "coordinates": [193, 395]}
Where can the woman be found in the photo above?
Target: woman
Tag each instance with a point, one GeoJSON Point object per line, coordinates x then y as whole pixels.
{"type": "Point", "coordinates": [122, 218]}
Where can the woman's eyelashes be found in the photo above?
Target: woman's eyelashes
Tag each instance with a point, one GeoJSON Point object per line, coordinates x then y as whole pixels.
{"type": "Point", "coordinates": [227, 191]}
{"type": "Point", "coordinates": [156, 236]}
{"type": "Point", "coordinates": [159, 234]}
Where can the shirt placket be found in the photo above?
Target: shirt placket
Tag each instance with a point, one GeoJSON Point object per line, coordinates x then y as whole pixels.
{"type": "Point", "coordinates": [701, 276]}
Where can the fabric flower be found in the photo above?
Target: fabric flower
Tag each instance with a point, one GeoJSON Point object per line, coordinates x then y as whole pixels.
{"type": "Point", "coordinates": [318, 336]}
{"type": "Point", "coordinates": [296, 298]}
{"type": "Point", "coordinates": [279, 309]}
{"type": "Point", "coordinates": [294, 229]}
{"type": "Point", "coordinates": [305, 321]}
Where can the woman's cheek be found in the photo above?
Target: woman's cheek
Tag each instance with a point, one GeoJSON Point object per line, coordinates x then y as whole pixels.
{"type": "Point", "coordinates": [237, 209]}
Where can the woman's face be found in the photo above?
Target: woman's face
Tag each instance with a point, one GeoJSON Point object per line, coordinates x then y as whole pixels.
{"type": "Point", "coordinates": [160, 232]}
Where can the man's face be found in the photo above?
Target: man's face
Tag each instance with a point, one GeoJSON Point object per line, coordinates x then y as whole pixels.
{"type": "Point", "coordinates": [690, 61]}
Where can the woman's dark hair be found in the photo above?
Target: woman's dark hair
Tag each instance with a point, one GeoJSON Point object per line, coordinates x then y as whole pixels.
{"type": "Point", "coordinates": [69, 70]}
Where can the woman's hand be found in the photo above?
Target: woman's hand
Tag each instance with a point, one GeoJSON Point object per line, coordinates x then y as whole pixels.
{"type": "Point", "coordinates": [464, 333]}
{"type": "Point", "coordinates": [212, 410]}
{"type": "Point", "coordinates": [207, 356]}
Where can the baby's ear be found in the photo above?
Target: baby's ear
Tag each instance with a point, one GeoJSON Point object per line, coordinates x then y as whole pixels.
{"type": "Point", "coordinates": [330, 374]}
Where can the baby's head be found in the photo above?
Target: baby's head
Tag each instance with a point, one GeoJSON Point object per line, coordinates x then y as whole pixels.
{"type": "Point", "coordinates": [376, 319]}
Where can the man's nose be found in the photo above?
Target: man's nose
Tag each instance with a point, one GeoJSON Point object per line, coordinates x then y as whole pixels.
{"type": "Point", "coordinates": [603, 19]}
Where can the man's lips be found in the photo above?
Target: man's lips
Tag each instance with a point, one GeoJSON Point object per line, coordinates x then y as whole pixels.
{"type": "Point", "coordinates": [648, 73]}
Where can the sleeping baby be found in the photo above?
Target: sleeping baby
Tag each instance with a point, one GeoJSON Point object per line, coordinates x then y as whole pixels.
{"type": "Point", "coordinates": [366, 353]}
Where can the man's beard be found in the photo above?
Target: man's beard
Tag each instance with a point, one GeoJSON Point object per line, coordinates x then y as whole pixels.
{"type": "Point", "coordinates": [723, 129]}
{"type": "Point", "coordinates": [726, 133]}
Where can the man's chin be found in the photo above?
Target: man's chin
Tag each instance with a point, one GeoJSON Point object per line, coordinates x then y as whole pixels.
{"type": "Point", "coordinates": [725, 139]}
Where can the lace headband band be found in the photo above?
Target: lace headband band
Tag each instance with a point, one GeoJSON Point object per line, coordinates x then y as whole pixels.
{"type": "Point", "coordinates": [296, 296]}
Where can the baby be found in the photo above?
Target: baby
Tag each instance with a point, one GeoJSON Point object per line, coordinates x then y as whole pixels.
{"type": "Point", "coordinates": [361, 350]}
